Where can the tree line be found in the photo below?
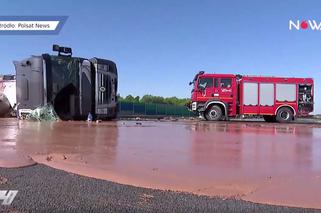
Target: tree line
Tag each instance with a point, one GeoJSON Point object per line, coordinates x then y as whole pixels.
{"type": "Point", "coordinates": [155, 99]}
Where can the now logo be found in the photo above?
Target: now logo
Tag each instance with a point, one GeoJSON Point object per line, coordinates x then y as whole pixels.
{"type": "Point", "coordinates": [304, 25]}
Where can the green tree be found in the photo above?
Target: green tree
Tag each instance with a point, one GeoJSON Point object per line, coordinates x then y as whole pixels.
{"type": "Point", "coordinates": [119, 98]}
{"type": "Point", "coordinates": [137, 99]}
{"type": "Point", "coordinates": [156, 100]}
{"type": "Point", "coordinates": [129, 98]}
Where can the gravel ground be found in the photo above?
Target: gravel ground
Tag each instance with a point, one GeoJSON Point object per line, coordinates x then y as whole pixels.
{"type": "Point", "coordinates": [44, 189]}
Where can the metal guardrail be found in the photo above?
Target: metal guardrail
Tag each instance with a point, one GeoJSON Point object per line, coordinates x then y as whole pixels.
{"type": "Point", "coordinates": [148, 109]}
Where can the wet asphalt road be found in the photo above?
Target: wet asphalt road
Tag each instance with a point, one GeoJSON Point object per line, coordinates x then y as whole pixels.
{"type": "Point", "coordinates": [44, 189]}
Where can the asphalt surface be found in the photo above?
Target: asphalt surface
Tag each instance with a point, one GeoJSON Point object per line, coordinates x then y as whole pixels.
{"type": "Point", "coordinates": [44, 189]}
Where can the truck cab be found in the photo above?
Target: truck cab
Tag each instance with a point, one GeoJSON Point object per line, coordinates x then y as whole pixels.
{"type": "Point", "coordinates": [214, 95]}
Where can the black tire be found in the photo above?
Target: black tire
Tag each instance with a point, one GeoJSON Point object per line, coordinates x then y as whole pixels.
{"type": "Point", "coordinates": [269, 118]}
{"type": "Point", "coordinates": [213, 113]}
{"type": "Point", "coordinates": [284, 115]}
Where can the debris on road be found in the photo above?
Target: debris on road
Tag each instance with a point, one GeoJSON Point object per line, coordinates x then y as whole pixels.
{"type": "Point", "coordinates": [43, 113]}
{"type": "Point", "coordinates": [3, 180]}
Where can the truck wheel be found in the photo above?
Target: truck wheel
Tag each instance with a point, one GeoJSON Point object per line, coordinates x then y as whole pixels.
{"type": "Point", "coordinates": [284, 115]}
{"type": "Point", "coordinates": [269, 118]}
{"type": "Point", "coordinates": [214, 113]}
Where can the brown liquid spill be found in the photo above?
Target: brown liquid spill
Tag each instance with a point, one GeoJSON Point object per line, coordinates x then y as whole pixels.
{"type": "Point", "coordinates": [260, 162]}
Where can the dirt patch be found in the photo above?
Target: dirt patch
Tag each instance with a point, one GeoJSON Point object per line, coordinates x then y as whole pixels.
{"type": "Point", "coordinates": [3, 180]}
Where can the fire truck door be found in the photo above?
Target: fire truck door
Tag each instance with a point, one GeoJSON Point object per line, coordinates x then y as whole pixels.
{"type": "Point", "coordinates": [205, 86]}
{"type": "Point", "coordinates": [227, 93]}
{"type": "Point", "coordinates": [225, 89]}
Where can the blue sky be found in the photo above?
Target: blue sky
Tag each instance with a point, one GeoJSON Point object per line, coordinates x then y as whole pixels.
{"type": "Point", "coordinates": [159, 45]}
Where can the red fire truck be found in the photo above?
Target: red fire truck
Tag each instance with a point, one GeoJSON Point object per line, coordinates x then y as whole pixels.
{"type": "Point", "coordinates": [220, 96]}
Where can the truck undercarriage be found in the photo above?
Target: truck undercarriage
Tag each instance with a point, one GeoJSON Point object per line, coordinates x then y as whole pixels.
{"type": "Point", "coordinates": [75, 87]}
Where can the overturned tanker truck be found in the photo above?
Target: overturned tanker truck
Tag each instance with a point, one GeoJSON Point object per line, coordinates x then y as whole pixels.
{"type": "Point", "coordinates": [220, 96]}
{"type": "Point", "coordinates": [75, 87]}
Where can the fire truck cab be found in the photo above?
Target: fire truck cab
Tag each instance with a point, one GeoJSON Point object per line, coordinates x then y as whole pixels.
{"type": "Point", "coordinates": [220, 96]}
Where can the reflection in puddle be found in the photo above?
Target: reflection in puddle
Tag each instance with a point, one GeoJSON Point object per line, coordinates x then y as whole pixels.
{"type": "Point", "coordinates": [225, 158]}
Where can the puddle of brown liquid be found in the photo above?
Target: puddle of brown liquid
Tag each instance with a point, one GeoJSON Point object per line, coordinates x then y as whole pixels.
{"type": "Point", "coordinates": [260, 162]}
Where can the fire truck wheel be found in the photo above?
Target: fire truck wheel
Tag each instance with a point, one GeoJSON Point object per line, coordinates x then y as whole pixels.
{"type": "Point", "coordinates": [214, 113]}
{"type": "Point", "coordinates": [284, 115]}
